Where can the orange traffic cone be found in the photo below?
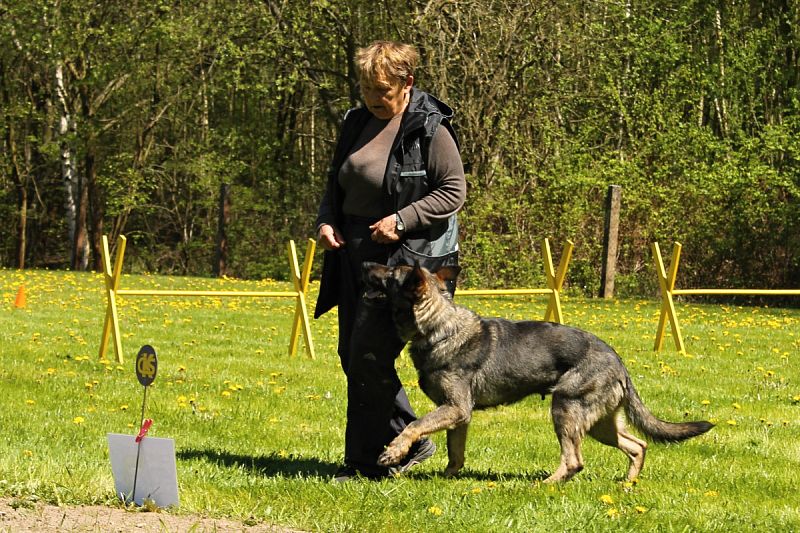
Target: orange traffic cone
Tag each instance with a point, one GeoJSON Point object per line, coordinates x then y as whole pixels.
{"type": "Point", "coordinates": [19, 302]}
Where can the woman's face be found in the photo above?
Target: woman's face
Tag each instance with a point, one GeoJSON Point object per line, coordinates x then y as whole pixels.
{"type": "Point", "coordinates": [386, 97]}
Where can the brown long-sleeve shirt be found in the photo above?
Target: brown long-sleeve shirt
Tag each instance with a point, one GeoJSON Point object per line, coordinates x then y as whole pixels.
{"type": "Point", "coordinates": [361, 177]}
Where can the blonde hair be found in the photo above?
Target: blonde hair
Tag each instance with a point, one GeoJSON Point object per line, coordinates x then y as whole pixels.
{"type": "Point", "coordinates": [386, 59]}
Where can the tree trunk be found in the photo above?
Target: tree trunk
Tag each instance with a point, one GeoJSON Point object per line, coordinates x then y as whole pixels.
{"type": "Point", "coordinates": [220, 265]}
{"type": "Point", "coordinates": [72, 189]}
{"type": "Point", "coordinates": [22, 196]}
{"type": "Point", "coordinates": [719, 101]}
{"type": "Point", "coordinates": [96, 210]}
{"type": "Point", "coordinates": [80, 248]}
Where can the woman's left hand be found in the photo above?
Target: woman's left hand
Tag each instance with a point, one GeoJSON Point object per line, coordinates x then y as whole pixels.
{"type": "Point", "coordinates": [384, 231]}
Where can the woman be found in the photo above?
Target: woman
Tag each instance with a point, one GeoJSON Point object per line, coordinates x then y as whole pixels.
{"type": "Point", "coordinates": [394, 187]}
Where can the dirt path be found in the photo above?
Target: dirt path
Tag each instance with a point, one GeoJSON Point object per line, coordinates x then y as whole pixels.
{"type": "Point", "coordinates": [18, 515]}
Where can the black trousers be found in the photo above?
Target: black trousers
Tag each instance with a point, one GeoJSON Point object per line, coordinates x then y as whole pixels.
{"type": "Point", "coordinates": [377, 405]}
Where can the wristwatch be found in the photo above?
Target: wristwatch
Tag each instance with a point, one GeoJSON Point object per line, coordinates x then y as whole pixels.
{"type": "Point", "coordinates": [399, 222]}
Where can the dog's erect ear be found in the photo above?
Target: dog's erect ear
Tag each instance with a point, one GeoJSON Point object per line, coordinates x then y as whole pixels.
{"type": "Point", "coordinates": [374, 275]}
{"type": "Point", "coordinates": [448, 273]}
{"type": "Point", "coordinates": [416, 277]}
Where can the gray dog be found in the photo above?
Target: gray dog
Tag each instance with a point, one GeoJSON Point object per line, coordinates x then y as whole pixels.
{"type": "Point", "coordinates": [466, 362]}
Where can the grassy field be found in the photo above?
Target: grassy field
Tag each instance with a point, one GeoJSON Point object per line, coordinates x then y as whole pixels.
{"type": "Point", "coordinates": [258, 434]}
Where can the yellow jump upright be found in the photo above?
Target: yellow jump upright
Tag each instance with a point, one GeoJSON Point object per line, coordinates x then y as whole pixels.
{"type": "Point", "coordinates": [666, 282]}
{"type": "Point", "coordinates": [555, 281]}
{"type": "Point", "coordinates": [300, 279]}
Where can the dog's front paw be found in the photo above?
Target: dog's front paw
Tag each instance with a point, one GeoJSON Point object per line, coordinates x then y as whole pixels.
{"type": "Point", "coordinates": [394, 453]}
{"type": "Point", "coordinates": [389, 457]}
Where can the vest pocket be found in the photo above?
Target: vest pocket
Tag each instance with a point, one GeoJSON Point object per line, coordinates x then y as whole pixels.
{"type": "Point", "coordinates": [412, 174]}
{"type": "Point", "coordinates": [411, 185]}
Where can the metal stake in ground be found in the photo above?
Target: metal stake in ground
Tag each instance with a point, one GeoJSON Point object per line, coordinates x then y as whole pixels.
{"type": "Point", "coordinates": [146, 369]}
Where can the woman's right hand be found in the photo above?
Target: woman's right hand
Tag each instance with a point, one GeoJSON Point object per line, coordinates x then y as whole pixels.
{"type": "Point", "coordinates": [329, 237]}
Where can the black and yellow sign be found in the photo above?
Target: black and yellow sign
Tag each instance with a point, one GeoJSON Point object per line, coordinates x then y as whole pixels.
{"type": "Point", "coordinates": [146, 365]}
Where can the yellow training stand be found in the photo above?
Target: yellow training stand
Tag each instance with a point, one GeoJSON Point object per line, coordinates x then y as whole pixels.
{"type": "Point", "coordinates": [666, 282]}
{"type": "Point", "coordinates": [555, 281]}
{"type": "Point", "coordinates": [300, 280]}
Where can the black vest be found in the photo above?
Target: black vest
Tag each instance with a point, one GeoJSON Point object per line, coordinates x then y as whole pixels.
{"type": "Point", "coordinates": [405, 181]}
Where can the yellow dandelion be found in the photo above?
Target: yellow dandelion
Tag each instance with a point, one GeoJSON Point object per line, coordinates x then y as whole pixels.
{"type": "Point", "coordinates": [436, 511]}
{"type": "Point", "coordinates": [640, 509]}
{"type": "Point", "coordinates": [606, 499]}
{"type": "Point", "coordinates": [476, 490]}
{"type": "Point", "coordinates": [123, 407]}
{"type": "Point", "coordinates": [78, 420]}
{"type": "Point", "coordinates": [711, 494]}
{"type": "Point", "coordinates": [706, 402]}
{"type": "Point", "coordinates": [30, 402]}
{"type": "Point", "coordinates": [226, 393]}
{"type": "Point", "coordinates": [737, 406]}
{"type": "Point", "coordinates": [612, 513]}
{"type": "Point", "coordinates": [731, 422]}
{"type": "Point", "coordinates": [27, 453]}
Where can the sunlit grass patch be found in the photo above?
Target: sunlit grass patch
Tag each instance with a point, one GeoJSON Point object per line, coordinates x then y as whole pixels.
{"type": "Point", "coordinates": [259, 434]}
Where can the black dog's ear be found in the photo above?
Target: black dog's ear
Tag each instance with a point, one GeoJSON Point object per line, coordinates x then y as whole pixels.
{"type": "Point", "coordinates": [448, 273]}
{"type": "Point", "coordinates": [374, 274]}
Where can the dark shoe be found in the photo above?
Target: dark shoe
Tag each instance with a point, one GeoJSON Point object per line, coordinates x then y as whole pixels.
{"type": "Point", "coordinates": [421, 450]}
{"type": "Point", "coordinates": [344, 474]}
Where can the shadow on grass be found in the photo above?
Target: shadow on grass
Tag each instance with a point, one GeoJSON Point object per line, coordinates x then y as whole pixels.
{"type": "Point", "coordinates": [273, 465]}
{"type": "Point", "coordinates": [539, 475]}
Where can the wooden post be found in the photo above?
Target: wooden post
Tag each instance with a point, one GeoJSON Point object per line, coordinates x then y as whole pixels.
{"type": "Point", "coordinates": [610, 241]}
{"type": "Point", "coordinates": [220, 265]}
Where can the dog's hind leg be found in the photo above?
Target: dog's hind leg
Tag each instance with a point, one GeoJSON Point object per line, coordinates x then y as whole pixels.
{"type": "Point", "coordinates": [635, 448]}
{"type": "Point", "coordinates": [456, 444]}
{"type": "Point", "coordinates": [569, 422]}
{"type": "Point", "coordinates": [611, 432]}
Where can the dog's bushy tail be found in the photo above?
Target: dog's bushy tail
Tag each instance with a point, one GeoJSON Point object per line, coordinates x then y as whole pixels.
{"type": "Point", "coordinates": [657, 429]}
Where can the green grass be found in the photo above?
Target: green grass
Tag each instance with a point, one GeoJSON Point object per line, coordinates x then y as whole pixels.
{"type": "Point", "coordinates": [258, 434]}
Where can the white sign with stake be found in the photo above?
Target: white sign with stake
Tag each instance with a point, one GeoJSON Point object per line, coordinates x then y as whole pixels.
{"type": "Point", "coordinates": [144, 468]}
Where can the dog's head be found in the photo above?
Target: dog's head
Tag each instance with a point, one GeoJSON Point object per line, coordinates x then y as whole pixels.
{"type": "Point", "coordinates": [409, 282]}
{"type": "Point", "coordinates": [409, 288]}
